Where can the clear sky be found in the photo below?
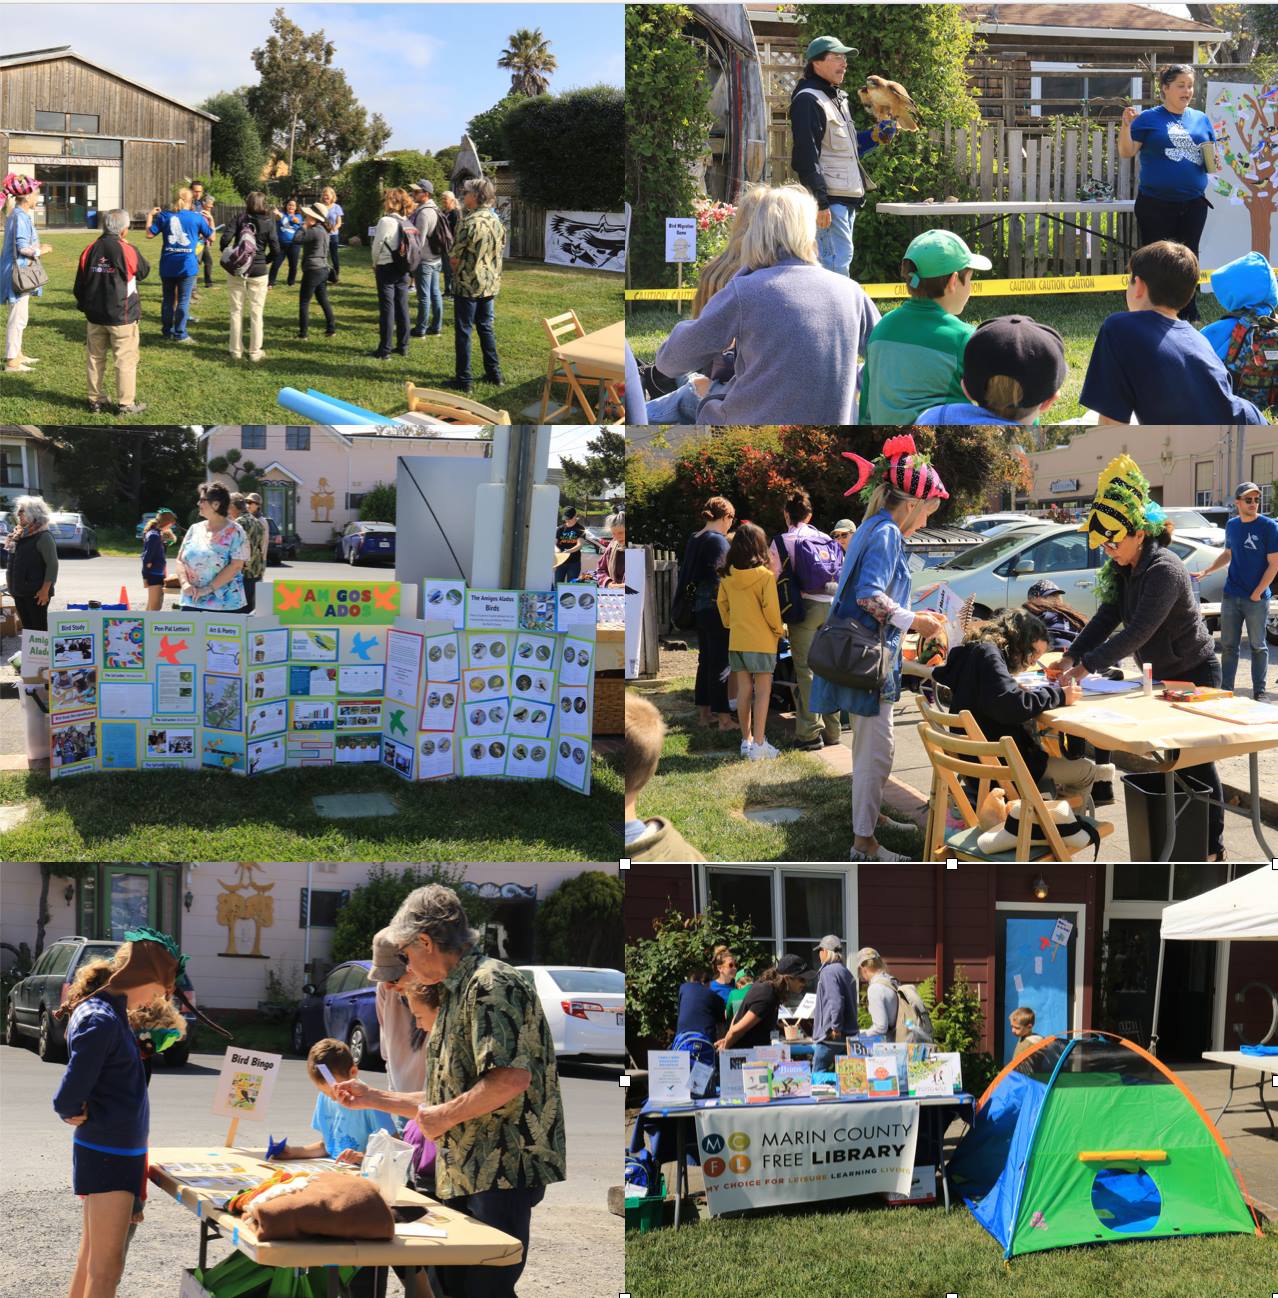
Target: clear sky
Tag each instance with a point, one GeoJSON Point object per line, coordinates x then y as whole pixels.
{"type": "Point", "coordinates": [427, 68]}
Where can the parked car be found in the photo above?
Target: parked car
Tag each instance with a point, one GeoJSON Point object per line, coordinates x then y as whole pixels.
{"type": "Point", "coordinates": [930, 546]}
{"type": "Point", "coordinates": [999, 572]}
{"type": "Point", "coordinates": [586, 1008]}
{"type": "Point", "coordinates": [344, 1007]}
{"type": "Point", "coordinates": [33, 1000]}
{"type": "Point", "coordinates": [984, 522]}
{"type": "Point", "coordinates": [1194, 525]}
{"type": "Point", "coordinates": [73, 532]}
{"type": "Point", "coordinates": [367, 543]}
{"type": "Point", "coordinates": [278, 546]}
{"type": "Point", "coordinates": [5, 529]}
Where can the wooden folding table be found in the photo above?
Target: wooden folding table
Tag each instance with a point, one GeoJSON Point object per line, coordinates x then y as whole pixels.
{"type": "Point", "coordinates": [598, 357]}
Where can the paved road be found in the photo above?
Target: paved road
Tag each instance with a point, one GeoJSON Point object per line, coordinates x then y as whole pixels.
{"type": "Point", "coordinates": [576, 1245]}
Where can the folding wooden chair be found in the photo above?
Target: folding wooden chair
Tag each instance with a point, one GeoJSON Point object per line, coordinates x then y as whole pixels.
{"type": "Point", "coordinates": [563, 329]}
{"type": "Point", "coordinates": [450, 407]}
{"type": "Point", "coordinates": [954, 758]}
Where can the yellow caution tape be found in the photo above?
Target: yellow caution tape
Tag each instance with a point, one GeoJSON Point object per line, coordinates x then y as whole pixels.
{"type": "Point", "coordinates": [980, 288]}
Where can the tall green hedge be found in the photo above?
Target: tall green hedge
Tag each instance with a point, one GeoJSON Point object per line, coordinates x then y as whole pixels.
{"type": "Point", "coordinates": [563, 149]}
{"type": "Point", "coordinates": [667, 128]}
{"type": "Point", "coordinates": [361, 185]}
{"type": "Point", "coordinates": [579, 922]}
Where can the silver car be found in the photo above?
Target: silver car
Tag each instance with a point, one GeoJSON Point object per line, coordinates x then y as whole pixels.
{"type": "Point", "coordinates": [1191, 525]}
{"type": "Point", "coordinates": [73, 532]}
{"type": "Point", "coordinates": [999, 573]}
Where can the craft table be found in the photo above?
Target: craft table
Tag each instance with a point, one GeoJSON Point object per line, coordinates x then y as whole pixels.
{"type": "Point", "coordinates": [998, 211]}
{"type": "Point", "coordinates": [468, 1243]}
{"type": "Point", "coordinates": [598, 357]}
{"type": "Point", "coordinates": [1265, 1065]}
{"type": "Point", "coordinates": [1173, 738]}
{"type": "Point", "coordinates": [682, 1116]}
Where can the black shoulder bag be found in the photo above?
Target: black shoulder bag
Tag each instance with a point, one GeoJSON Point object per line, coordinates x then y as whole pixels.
{"type": "Point", "coordinates": [843, 652]}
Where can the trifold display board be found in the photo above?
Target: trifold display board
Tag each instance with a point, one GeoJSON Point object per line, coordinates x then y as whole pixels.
{"type": "Point", "coordinates": [333, 675]}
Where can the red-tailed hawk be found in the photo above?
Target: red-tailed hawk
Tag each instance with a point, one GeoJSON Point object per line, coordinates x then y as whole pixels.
{"type": "Point", "coordinates": [890, 101]}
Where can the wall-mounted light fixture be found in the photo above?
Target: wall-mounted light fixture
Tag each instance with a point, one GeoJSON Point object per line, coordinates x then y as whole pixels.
{"type": "Point", "coordinates": [1039, 888]}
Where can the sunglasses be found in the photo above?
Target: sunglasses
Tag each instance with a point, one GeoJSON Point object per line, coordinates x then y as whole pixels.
{"type": "Point", "coordinates": [1250, 500]}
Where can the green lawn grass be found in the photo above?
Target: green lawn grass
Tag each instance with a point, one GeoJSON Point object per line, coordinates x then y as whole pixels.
{"type": "Point", "coordinates": [702, 786]}
{"type": "Point", "coordinates": [927, 1253]}
{"type": "Point", "coordinates": [201, 384]}
{"type": "Point", "coordinates": [1078, 317]}
{"type": "Point", "coordinates": [194, 816]}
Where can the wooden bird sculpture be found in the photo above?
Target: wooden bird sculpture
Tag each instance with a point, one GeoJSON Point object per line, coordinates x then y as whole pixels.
{"type": "Point", "coordinates": [890, 101]}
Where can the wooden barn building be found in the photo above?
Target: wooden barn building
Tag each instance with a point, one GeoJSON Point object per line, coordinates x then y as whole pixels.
{"type": "Point", "coordinates": [95, 138]}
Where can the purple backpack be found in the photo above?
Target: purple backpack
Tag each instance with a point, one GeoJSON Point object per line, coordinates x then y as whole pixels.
{"type": "Point", "coordinates": [818, 560]}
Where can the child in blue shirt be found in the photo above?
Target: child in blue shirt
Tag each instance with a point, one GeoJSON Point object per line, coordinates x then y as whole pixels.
{"type": "Point", "coordinates": [1148, 362]}
{"type": "Point", "coordinates": [344, 1132]}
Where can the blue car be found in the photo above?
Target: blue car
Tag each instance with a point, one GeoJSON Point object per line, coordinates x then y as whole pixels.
{"type": "Point", "coordinates": [367, 543]}
{"type": "Point", "coordinates": [345, 1008]}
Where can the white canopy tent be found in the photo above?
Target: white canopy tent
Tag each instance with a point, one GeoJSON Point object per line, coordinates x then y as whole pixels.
{"type": "Point", "coordinates": [1243, 910]}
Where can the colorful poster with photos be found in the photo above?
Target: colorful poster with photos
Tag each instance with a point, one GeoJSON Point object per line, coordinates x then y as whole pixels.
{"type": "Point", "coordinates": [443, 657]}
{"type": "Point", "coordinates": [224, 651]}
{"type": "Point", "coordinates": [265, 754]}
{"type": "Point", "coordinates": [267, 718]}
{"type": "Point", "coordinates": [222, 752]}
{"type": "Point", "coordinates": [533, 650]}
{"type": "Point", "coordinates": [306, 715]}
{"type": "Point", "coordinates": [268, 647]}
{"type": "Point", "coordinates": [576, 606]}
{"type": "Point", "coordinates": [484, 757]}
{"type": "Point", "coordinates": [574, 711]}
{"type": "Point", "coordinates": [357, 748]}
{"type": "Point", "coordinates": [533, 683]}
{"type": "Point", "coordinates": [223, 702]}
{"type": "Point", "coordinates": [73, 689]}
{"type": "Point", "coordinates": [313, 646]}
{"type": "Point", "coordinates": [572, 763]}
{"type": "Point", "coordinates": [312, 682]}
{"type": "Point", "coordinates": [359, 714]}
{"type": "Point", "coordinates": [436, 756]}
{"type": "Point", "coordinates": [124, 644]}
{"type": "Point", "coordinates": [175, 690]}
{"type": "Point", "coordinates": [439, 707]}
{"type": "Point", "coordinates": [74, 646]}
{"type": "Point", "coordinates": [577, 665]}
{"type": "Point", "coordinates": [487, 650]}
{"type": "Point", "coordinates": [267, 683]}
{"type": "Point", "coordinates": [529, 717]}
{"type": "Point", "coordinates": [529, 758]}
{"type": "Point", "coordinates": [399, 757]}
{"type": "Point", "coordinates": [73, 747]}
{"type": "Point", "coordinates": [537, 610]}
{"type": "Point", "coordinates": [490, 717]}
{"type": "Point", "coordinates": [169, 741]}
{"type": "Point", "coordinates": [445, 601]}
{"type": "Point", "coordinates": [481, 684]}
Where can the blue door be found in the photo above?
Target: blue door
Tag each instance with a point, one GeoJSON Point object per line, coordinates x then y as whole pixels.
{"type": "Point", "coordinates": [1038, 973]}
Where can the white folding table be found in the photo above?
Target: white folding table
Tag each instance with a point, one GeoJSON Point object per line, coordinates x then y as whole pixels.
{"type": "Point", "coordinates": [1265, 1065]}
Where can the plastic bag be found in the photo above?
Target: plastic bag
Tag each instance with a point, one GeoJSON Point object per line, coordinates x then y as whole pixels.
{"type": "Point", "coordinates": [386, 1162]}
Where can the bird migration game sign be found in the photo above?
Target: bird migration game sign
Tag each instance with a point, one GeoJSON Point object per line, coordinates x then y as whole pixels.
{"type": "Point", "coordinates": [248, 695]}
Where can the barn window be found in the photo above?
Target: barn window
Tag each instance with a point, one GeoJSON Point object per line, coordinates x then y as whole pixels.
{"type": "Point", "coordinates": [50, 121]}
{"type": "Point", "coordinates": [95, 148]}
{"type": "Point", "coordinates": [1057, 88]}
{"type": "Point", "coordinates": [83, 123]}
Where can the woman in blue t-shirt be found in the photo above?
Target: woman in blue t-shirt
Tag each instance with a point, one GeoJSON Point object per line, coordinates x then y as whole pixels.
{"type": "Point", "coordinates": [1170, 203]}
{"type": "Point", "coordinates": [182, 229]}
{"type": "Point", "coordinates": [288, 223]}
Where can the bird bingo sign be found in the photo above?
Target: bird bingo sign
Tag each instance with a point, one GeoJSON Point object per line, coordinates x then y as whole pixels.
{"type": "Point", "coordinates": [245, 1083]}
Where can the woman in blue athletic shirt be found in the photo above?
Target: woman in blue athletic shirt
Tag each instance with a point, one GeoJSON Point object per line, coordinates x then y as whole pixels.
{"type": "Point", "coordinates": [1170, 203]}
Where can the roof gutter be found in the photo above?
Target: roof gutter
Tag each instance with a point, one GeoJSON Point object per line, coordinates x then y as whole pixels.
{"type": "Point", "coordinates": [1100, 33]}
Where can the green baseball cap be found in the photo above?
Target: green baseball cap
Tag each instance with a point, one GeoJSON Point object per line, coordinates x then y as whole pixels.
{"type": "Point", "coordinates": [164, 509]}
{"type": "Point", "coordinates": [824, 45]}
{"type": "Point", "coordinates": [942, 252]}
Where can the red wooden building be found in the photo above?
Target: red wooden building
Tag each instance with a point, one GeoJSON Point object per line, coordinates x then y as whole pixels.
{"type": "Point", "coordinates": [996, 923]}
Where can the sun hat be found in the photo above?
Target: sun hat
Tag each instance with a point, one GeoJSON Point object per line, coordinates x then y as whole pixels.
{"type": "Point", "coordinates": [1019, 348]}
{"type": "Point", "coordinates": [317, 212]}
{"type": "Point", "coordinates": [1073, 831]}
{"type": "Point", "coordinates": [389, 963]}
{"type": "Point", "coordinates": [941, 252]}
{"type": "Point", "coordinates": [901, 467]}
{"type": "Point", "coordinates": [823, 45]}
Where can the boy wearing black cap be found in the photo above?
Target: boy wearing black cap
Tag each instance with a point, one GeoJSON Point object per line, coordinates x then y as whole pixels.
{"type": "Point", "coordinates": [1013, 369]}
{"type": "Point", "coordinates": [1149, 363]}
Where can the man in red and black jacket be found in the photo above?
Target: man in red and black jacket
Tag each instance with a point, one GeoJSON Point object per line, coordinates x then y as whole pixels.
{"type": "Point", "coordinates": [106, 290]}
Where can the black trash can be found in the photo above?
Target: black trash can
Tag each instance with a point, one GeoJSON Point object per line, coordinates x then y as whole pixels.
{"type": "Point", "coordinates": [1146, 798]}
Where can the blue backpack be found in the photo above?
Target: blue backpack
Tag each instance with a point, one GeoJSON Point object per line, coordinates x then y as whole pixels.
{"type": "Point", "coordinates": [701, 1048]}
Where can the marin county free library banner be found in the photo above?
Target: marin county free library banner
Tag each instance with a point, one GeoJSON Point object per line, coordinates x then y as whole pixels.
{"type": "Point", "coordinates": [489, 683]}
{"type": "Point", "coordinates": [787, 1154]}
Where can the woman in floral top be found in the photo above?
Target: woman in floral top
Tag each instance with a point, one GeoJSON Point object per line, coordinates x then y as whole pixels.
{"type": "Point", "coordinates": [212, 557]}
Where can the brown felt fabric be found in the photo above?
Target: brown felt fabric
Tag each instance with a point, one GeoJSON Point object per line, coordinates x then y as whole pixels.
{"type": "Point", "coordinates": [337, 1205]}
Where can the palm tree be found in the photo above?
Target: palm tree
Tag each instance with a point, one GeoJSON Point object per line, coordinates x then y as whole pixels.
{"type": "Point", "coordinates": [530, 61]}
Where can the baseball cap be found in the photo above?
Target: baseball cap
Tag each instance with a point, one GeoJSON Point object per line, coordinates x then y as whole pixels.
{"type": "Point", "coordinates": [423, 187]}
{"type": "Point", "coordinates": [388, 961]}
{"type": "Point", "coordinates": [829, 943]}
{"type": "Point", "coordinates": [942, 252]}
{"type": "Point", "coordinates": [824, 45]}
{"type": "Point", "coordinates": [1020, 348]}
{"type": "Point", "coordinates": [791, 964]}
{"type": "Point", "coordinates": [1244, 488]}
{"type": "Point", "coordinates": [1042, 589]}
{"type": "Point", "coordinates": [164, 509]}
{"type": "Point", "coordinates": [866, 953]}
{"type": "Point", "coordinates": [843, 525]}
{"type": "Point", "coordinates": [253, 498]}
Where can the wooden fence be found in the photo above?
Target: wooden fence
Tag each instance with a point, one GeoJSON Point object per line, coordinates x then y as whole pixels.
{"type": "Point", "coordinates": [662, 571]}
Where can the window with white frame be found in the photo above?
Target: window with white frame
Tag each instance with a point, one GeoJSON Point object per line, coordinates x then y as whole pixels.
{"type": "Point", "coordinates": [1262, 473]}
{"type": "Point", "coordinates": [788, 910]}
{"type": "Point", "coordinates": [1204, 482]}
{"type": "Point", "coordinates": [1069, 88]}
{"type": "Point", "coordinates": [11, 467]}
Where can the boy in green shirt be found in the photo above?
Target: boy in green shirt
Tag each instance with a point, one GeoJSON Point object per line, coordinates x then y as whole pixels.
{"type": "Point", "coordinates": [914, 355]}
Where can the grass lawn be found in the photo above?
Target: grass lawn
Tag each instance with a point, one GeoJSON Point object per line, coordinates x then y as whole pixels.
{"type": "Point", "coordinates": [1077, 317]}
{"type": "Point", "coordinates": [201, 384]}
{"type": "Point", "coordinates": [927, 1253]}
{"type": "Point", "coordinates": [191, 816]}
{"type": "Point", "coordinates": [702, 786]}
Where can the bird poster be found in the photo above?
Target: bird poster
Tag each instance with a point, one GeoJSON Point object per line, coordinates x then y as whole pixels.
{"type": "Point", "coordinates": [1242, 192]}
{"type": "Point", "coordinates": [245, 1083]}
{"type": "Point", "coordinates": [594, 240]}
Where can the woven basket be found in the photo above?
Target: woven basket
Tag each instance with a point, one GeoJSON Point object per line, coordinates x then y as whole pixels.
{"type": "Point", "coordinates": [610, 703]}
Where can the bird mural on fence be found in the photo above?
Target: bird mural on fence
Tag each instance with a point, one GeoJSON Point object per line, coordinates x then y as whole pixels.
{"type": "Point", "coordinates": [890, 101]}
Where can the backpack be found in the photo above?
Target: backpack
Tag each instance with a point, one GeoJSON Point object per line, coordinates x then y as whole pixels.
{"type": "Point", "coordinates": [913, 1022]}
{"type": "Point", "coordinates": [239, 255]}
{"type": "Point", "coordinates": [407, 254]}
{"type": "Point", "coordinates": [1252, 358]}
{"type": "Point", "coordinates": [702, 1051]}
{"type": "Point", "coordinates": [788, 595]}
{"type": "Point", "coordinates": [440, 239]}
{"type": "Point", "coordinates": [818, 560]}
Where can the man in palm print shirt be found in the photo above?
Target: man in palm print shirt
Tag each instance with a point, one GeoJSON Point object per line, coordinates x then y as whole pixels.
{"type": "Point", "coordinates": [492, 1103]}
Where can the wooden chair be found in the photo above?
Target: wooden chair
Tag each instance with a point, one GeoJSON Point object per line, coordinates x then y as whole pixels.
{"type": "Point", "coordinates": [954, 758]}
{"type": "Point", "coordinates": [955, 723]}
{"type": "Point", "coordinates": [450, 407]}
{"type": "Point", "coordinates": [561, 329]}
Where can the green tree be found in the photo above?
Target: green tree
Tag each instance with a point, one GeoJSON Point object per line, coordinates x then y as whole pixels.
{"type": "Point", "coordinates": [372, 905]}
{"type": "Point", "coordinates": [365, 182]}
{"type": "Point", "coordinates": [528, 58]}
{"type": "Point", "coordinates": [580, 922]}
{"type": "Point", "coordinates": [667, 126]}
{"type": "Point", "coordinates": [237, 145]}
{"type": "Point", "coordinates": [602, 467]}
{"type": "Point", "coordinates": [488, 129]}
{"type": "Point", "coordinates": [549, 140]}
{"type": "Point", "coordinates": [304, 106]}
{"type": "Point", "coordinates": [244, 473]}
{"type": "Point", "coordinates": [927, 48]}
{"type": "Point", "coordinates": [378, 505]}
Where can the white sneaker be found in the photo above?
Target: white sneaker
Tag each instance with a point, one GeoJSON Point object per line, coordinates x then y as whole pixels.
{"type": "Point", "coordinates": [746, 746]}
{"type": "Point", "coordinates": [882, 854]}
{"type": "Point", "coordinates": [762, 751]}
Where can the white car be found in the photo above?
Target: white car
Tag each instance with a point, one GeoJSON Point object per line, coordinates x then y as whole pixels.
{"type": "Point", "coordinates": [985, 522]}
{"type": "Point", "coordinates": [586, 1008]}
{"type": "Point", "coordinates": [1194, 526]}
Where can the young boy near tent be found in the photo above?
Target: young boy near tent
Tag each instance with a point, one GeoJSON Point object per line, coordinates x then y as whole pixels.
{"type": "Point", "coordinates": [1022, 1021]}
{"type": "Point", "coordinates": [1013, 369]}
{"type": "Point", "coordinates": [344, 1132]}
{"type": "Point", "coordinates": [914, 355]}
{"type": "Point", "coordinates": [1148, 362]}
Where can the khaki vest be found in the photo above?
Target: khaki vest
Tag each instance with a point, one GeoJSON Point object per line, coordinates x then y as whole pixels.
{"type": "Point", "coordinates": [839, 162]}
